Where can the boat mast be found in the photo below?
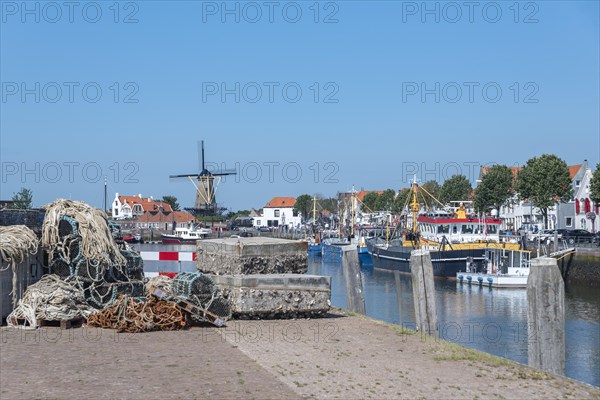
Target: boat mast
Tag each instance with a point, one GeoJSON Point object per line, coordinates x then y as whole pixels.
{"type": "Point", "coordinates": [314, 210]}
{"type": "Point", "coordinates": [414, 204]}
{"type": "Point", "coordinates": [352, 217]}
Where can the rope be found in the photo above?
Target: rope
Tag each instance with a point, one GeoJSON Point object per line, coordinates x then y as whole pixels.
{"type": "Point", "coordinates": [128, 314]}
{"type": "Point", "coordinates": [16, 243]}
{"type": "Point", "coordinates": [97, 242]}
{"type": "Point", "coordinates": [50, 299]}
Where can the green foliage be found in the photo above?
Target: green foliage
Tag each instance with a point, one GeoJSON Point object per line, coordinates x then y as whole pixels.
{"type": "Point", "coordinates": [495, 188]}
{"type": "Point", "coordinates": [304, 205]}
{"type": "Point", "coordinates": [172, 201]}
{"type": "Point", "coordinates": [456, 188]}
{"type": "Point", "coordinates": [595, 185]}
{"type": "Point", "coordinates": [370, 202]}
{"type": "Point", "coordinates": [433, 188]}
{"type": "Point", "coordinates": [401, 200]}
{"type": "Point", "coordinates": [545, 180]}
{"type": "Point", "coordinates": [385, 200]}
{"type": "Point", "coordinates": [329, 203]}
{"type": "Point", "coordinates": [22, 199]}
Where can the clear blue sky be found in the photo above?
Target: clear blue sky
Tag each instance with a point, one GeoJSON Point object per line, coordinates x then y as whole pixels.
{"type": "Point", "coordinates": [367, 124]}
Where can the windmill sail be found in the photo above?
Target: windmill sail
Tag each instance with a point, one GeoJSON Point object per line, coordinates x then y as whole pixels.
{"type": "Point", "coordinates": [204, 182]}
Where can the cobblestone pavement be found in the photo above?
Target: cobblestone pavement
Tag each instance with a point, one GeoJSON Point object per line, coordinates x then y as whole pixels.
{"type": "Point", "coordinates": [90, 363]}
{"type": "Point", "coordinates": [345, 357]}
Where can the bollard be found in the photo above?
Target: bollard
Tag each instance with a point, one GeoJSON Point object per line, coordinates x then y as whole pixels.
{"type": "Point", "coordinates": [355, 298]}
{"type": "Point", "coordinates": [423, 288]}
{"type": "Point", "coordinates": [546, 316]}
{"type": "Point", "coordinates": [398, 294]}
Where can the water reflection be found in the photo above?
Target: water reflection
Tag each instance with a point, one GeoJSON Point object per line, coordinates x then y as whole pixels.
{"type": "Point", "coordinates": [490, 320]}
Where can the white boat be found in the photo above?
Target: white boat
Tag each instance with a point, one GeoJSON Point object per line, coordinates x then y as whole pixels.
{"type": "Point", "coordinates": [508, 269]}
{"type": "Point", "coordinates": [185, 235]}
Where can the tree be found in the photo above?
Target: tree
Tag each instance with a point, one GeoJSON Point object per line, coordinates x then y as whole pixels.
{"type": "Point", "coordinates": [329, 203]}
{"type": "Point", "coordinates": [456, 188]}
{"type": "Point", "coordinates": [401, 200]}
{"type": "Point", "coordinates": [433, 188]}
{"type": "Point", "coordinates": [385, 200]}
{"type": "Point", "coordinates": [595, 185]}
{"type": "Point", "coordinates": [22, 199]}
{"type": "Point", "coordinates": [495, 188]}
{"type": "Point", "coordinates": [304, 205]}
{"type": "Point", "coordinates": [370, 202]}
{"type": "Point", "coordinates": [172, 201]}
{"type": "Point", "coordinates": [544, 181]}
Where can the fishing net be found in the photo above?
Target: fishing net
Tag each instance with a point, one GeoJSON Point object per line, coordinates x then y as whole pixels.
{"type": "Point", "coordinates": [50, 299]}
{"type": "Point", "coordinates": [16, 243]}
{"type": "Point", "coordinates": [81, 247]}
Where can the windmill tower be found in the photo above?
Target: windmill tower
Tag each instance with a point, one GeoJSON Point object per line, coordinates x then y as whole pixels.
{"type": "Point", "coordinates": [205, 203]}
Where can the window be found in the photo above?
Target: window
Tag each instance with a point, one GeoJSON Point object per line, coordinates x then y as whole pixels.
{"type": "Point", "coordinates": [454, 229]}
{"type": "Point", "coordinates": [276, 213]}
{"type": "Point", "coordinates": [467, 229]}
{"type": "Point", "coordinates": [258, 222]}
{"type": "Point", "coordinates": [569, 222]}
{"type": "Point", "coordinates": [491, 229]}
{"type": "Point", "coordinates": [443, 229]}
{"type": "Point", "coordinates": [577, 183]}
{"type": "Point", "coordinates": [116, 212]}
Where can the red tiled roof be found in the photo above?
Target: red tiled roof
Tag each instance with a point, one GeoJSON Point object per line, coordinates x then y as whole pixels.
{"type": "Point", "coordinates": [573, 170]}
{"type": "Point", "coordinates": [146, 203]}
{"type": "Point", "coordinates": [361, 195]}
{"type": "Point", "coordinates": [178, 216]}
{"type": "Point", "coordinates": [281, 202]}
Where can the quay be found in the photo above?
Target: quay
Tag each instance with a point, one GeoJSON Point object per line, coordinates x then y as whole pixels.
{"type": "Point", "coordinates": [340, 356]}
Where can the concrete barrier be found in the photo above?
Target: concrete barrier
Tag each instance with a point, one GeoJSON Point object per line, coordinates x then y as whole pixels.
{"type": "Point", "coordinates": [255, 255]}
{"type": "Point", "coordinates": [275, 296]}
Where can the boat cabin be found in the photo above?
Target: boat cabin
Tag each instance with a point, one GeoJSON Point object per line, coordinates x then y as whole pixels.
{"type": "Point", "coordinates": [468, 229]}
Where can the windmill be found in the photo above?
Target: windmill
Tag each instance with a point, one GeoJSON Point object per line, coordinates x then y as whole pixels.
{"type": "Point", "coordinates": [205, 203]}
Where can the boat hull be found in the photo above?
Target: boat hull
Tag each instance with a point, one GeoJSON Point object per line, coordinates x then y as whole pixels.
{"type": "Point", "coordinates": [445, 263]}
{"type": "Point", "coordinates": [177, 240]}
{"type": "Point", "coordinates": [314, 249]}
{"type": "Point", "coordinates": [491, 280]}
{"type": "Point", "coordinates": [364, 258]}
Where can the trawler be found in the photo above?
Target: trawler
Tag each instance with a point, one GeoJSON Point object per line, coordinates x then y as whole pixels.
{"type": "Point", "coordinates": [458, 241]}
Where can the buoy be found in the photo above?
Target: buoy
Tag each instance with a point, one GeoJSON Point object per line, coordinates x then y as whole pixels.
{"type": "Point", "coordinates": [460, 277]}
{"type": "Point", "coordinates": [480, 279]}
{"type": "Point", "coordinates": [469, 278]}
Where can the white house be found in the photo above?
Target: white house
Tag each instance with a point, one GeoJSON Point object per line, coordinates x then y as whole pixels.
{"type": "Point", "coordinates": [279, 212]}
{"type": "Point", "coordinates": [127, 207]}
{"type": "Point", "coordinates": [575, 214]}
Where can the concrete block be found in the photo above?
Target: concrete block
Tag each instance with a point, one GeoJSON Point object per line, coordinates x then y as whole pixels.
{"type": "Point", "coordinates": [275, 296]}
{"type": "Point", "coordinates": [255, 255]}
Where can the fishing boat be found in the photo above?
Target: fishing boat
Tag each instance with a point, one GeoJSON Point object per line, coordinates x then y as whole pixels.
{"type": "Point", "coordinates": [454, 239]}
{"type": "Point", "coordinates": [185, 235]}
{"type": "Point", "coordinates": [314, 244]}
{"type": "Point", "coordinates": [365, 233]}
{"type": "Point", "coordinates": [507, 269]}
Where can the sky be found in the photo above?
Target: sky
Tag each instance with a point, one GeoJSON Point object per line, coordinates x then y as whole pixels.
{"type": "Point", "coordinates": [298, 97]}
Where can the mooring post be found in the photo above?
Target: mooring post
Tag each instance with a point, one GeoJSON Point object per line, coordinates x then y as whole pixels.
{"type": "Point", "coordinates": [355, 298]}
{"type": "Point", "coordinates": [423, 288]}
{"type": "Point", "coordinates": [555, 241]}
{"type": "Point", "coordinates": [546, 316]}
{"type": "Point", "coordinates": [398, 295]}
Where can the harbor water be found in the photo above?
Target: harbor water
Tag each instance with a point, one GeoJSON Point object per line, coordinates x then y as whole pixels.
{"type": "Point", "coordinates": [486, 319]}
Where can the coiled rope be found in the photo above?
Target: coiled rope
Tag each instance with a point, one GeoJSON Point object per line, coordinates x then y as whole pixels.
{"type": "Point", "coordinates": [50, 299]}
{"type": "Point", "coordinates": [97, 243]}
{"type": "Point", "coordinates": [16, 243]}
